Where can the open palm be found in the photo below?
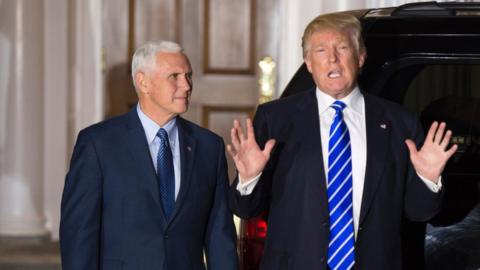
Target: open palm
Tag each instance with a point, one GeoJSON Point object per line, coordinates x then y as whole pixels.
{"type": "Point", "coordinates": [430, 160]}
{"type": "Point", "coordinates": [249, 159]}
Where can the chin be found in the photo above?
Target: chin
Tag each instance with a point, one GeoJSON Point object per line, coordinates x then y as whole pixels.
{"type": "Point", "coordinates": [343, 90]}
{"type": "Point", "coordinates": [336, 91]}
{"type": "Point", "coordinates": [182, 110]}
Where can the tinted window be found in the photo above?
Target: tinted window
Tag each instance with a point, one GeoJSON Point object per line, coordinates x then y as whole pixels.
{"type": "Point", "coordinates": [451, 93]}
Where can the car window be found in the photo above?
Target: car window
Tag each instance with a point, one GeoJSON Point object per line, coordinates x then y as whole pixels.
{"type": "Point", "coordinates": [450, 93]}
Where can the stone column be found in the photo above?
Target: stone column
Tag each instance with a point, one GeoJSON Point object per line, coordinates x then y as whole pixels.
{"type": "Point", "coordinates": [21, 118]}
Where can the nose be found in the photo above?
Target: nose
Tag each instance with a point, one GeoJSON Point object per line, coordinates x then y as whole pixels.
{"type": "Point", "coordinates": [333, 56]}
{"type": "Point", "coordinates": [184, 82]}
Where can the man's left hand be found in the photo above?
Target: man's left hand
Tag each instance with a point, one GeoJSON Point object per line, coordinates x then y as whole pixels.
{"type": "Point", "coordinates": [430, 160]}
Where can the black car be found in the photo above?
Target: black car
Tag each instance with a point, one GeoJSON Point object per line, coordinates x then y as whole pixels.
{"type": "Point", "coordinates": [425, 56]}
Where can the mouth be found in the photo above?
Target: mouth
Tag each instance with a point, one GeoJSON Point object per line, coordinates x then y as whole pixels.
{"type": "Point", "coordinates": [181, 98]}
{"type": "Point", "coordinates": [334, 74]}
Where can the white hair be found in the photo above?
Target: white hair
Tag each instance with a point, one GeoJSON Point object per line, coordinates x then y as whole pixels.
{"type": "Point", "coordinates": [145, 57]}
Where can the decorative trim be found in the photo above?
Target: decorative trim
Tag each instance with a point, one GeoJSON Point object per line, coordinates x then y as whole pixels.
{"type": "Point", "coordinates": [178, 21]}
{"type": "Point", "coordinates": [131, 26]}
{"type": "Point", "coordinates": [207, 68]}
{"type": "Point", "coordinates": [207, 110]}
{"type": "Point", "coordinates": [131, 30]}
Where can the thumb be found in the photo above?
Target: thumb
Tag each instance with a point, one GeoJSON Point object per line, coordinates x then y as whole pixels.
{"type": "Point", "coordinates": [268, 147]}
{"type": "Point", "coordinates": [412, 148]}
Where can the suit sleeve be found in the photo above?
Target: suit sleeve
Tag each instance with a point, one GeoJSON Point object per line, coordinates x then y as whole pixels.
{"type": "Point", "coordinates": [421, 204]}
{"type": "Point", "coordinates": [81, 208]}
{"type": "Point", "coordinates": [220, 239]}
{"type": "Point", "coordinates": [248, 206]}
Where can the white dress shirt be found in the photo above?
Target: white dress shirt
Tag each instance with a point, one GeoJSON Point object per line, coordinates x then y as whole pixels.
{"type": "Point", "coordinates": [354, 117]}
{"type": "Point", "coordinates": [151, 128]}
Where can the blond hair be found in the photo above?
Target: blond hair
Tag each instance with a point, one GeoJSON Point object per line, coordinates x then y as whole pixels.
{"type": "Point", "coordinates": [335, 21]}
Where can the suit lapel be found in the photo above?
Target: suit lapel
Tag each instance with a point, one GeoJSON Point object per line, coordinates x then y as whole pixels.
{"type": "Point", "coordinates": [311, 161]}
{"type": "Point", "coordinates": [187, 154]}
{"type": "Point", "coordinates": [378, 133]}
{"type": "Point", "coordinates": [138, 146]}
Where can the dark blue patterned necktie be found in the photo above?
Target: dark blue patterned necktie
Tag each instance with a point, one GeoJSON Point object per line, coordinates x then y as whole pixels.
{"type": "Point", "coordinates": [165, 173]}
{"type": "Point", "coordinates": [339, 189]}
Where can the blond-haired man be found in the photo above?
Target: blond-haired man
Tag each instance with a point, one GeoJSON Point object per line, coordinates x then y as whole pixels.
{"type": "Point", "coordinates": [345, 168]}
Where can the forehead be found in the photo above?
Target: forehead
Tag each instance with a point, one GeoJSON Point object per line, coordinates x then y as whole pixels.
{"type": "Point", "coordinates": [328, 36]}
{"type": "Point", "coordinates": [175, 61]}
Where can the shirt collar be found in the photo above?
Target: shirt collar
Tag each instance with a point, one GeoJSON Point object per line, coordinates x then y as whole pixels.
{"type": "Point", "coordinates": [151, 128]}
{"type": "Point", "coordinates": [354, 101]}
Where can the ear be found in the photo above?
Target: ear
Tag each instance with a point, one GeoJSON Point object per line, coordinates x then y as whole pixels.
{"type": "Point", "coordinates": [308, 62]}
{"type": "Point", "coordinates": [141, 80]}
{"type": "Point", "coordinates": [361, 59]}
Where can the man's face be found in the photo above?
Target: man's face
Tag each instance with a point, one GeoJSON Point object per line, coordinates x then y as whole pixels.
{"type": "Point", "coordinates": [334, 62]}
{"type": "Point", "coordinates": [166, 88]}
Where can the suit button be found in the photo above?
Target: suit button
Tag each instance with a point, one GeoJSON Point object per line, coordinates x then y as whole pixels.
{"type": "Point", "coordinates": [165, 236]}
{"type": "Point", "coordinates": [325, 222]}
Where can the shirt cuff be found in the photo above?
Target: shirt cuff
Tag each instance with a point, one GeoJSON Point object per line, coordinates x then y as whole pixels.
{"type": "Point", "coordinates": [431, 185]}
{"type": "Point", "coordinates": [246, 188]}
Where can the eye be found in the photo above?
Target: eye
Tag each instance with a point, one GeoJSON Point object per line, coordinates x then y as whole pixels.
{"type": "Point", "coordinates": [189, 75]}
{"type": "Point", "coordinates": [173, 76]}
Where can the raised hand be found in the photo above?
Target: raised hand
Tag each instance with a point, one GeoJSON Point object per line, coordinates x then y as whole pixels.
{"type": "Point", "coordinates": [249, 159]}
{"type": "Point", "coordinates": [430, 160]}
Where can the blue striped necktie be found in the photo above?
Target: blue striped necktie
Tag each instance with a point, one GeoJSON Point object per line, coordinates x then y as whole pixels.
{"type": "Point", "coordinates": [339, 189]}
{"type": "Point", "coordinates": [165, 173]}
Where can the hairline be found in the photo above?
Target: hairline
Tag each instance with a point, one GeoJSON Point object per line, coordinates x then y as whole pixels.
{"type": "Point", "coordinates": [145, 57]}
{"type": "Point", "coordinates": [340, 22]}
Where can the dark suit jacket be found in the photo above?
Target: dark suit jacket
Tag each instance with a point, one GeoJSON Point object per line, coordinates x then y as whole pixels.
{"type": "Point", "coordinates": [293, 186]}
{"type": "Point", "coordinates": [112, 217]}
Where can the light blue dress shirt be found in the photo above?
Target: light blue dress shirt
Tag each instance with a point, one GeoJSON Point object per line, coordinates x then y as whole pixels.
{"type": "Point", "coordinates": [151, 128]}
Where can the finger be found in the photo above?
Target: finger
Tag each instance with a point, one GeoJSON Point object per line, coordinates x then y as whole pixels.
{"type": "Point", "coordinates": [431, 132]}
{"type": "Point", "coordinates": [412, 148]}
{"type": "Point", "coordinates": [239, 129]}
{"type": "Point", "coordinates": [446, 139]}
{"type": "Point", "coordinates": [439, 133]}
{"type": "Point", "coordinates": [452, 150]}
{"type": "Point", "coordinates": [236, 124]}
{"type": "Point", "coordinates": [268, 148]}
{"type": "Point", "coordinates": [233, 154]}
{"type": "Point", "coordinates": [230, 151]}
{"type": "Point", "coordinates": [234, 137]}
{"type": "Point", "coordinates": [250, 131]}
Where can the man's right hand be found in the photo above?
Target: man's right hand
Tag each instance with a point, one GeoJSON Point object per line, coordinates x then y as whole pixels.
{"type": "Point", "coordinates": [249, 159]}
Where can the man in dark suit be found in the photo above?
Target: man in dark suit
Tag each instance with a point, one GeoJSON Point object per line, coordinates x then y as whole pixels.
{"type": "Point", "coordinates": [344, 171]}
{"type": "Point", "coordinates": [148, 189]}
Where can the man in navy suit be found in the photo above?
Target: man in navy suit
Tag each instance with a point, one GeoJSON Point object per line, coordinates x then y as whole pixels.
{"type": "Point", "coordinates": [345, 169]}
{"type": "Point", "coordinates": [147, 190]}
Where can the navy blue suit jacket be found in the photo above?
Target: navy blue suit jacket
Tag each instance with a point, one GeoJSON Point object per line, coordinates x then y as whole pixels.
{"type": "Point", "coordinates": [293, 186]}
{"type": "Point", "coordinates": [112, 217]}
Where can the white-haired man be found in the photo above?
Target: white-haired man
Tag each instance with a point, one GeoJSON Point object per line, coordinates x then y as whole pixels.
{"type": "Point", "coordinates": [148, 189]}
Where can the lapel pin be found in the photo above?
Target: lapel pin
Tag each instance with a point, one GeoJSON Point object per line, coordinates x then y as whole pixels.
{"type": "Point", "coordinates": [384, 126]}
{"type": "Point", "coordinates": [189, 148]}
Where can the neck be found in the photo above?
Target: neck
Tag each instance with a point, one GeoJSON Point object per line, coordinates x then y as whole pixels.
{"type": "Point", "coordinates": [158, 116]}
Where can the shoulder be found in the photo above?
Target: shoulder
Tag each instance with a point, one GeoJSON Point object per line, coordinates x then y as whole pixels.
{"type": "Point", "coordinates": [284, 110]}
{"type": "Point", "coordinates": [198, 132]}
{"type": "Point", "coordinates": [403, 121]}
{"type": "Point", "coordinates": [107, 128]}
{"type": "Point", "coordinates": [388, 107]}
{"type": "Point", "coordinates": [290, 102]}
